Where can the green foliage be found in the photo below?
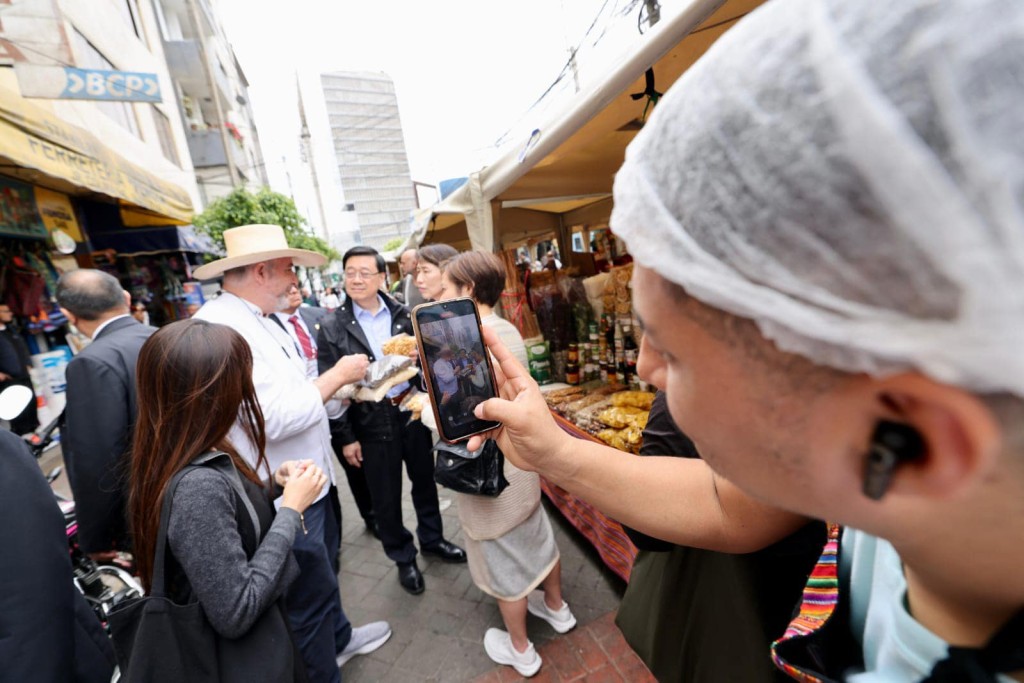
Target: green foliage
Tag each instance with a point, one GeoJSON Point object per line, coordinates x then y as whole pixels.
{"type": "Point", "coordinates": [392, 244]}
{"type": "Point", "coordinates": [242, 207]}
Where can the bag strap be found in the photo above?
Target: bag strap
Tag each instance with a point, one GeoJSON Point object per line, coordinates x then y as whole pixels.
{"type": "Point", "coordinates": [217, 461]}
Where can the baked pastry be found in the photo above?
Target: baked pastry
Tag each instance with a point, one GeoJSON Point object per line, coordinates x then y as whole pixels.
{"type": "Point", "coordinates": [399, 345]}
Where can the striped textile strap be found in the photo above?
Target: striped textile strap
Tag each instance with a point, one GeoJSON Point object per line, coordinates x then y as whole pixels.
{"type": "Point", "coordinates": [821, 595]}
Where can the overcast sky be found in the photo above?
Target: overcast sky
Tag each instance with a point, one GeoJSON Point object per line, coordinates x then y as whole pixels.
{"type": "Point", "coordinates": [464, 70]}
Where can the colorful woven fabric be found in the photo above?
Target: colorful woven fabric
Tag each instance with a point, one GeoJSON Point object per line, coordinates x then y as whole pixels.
{"type": "Point", "coordinates": [819, 602]}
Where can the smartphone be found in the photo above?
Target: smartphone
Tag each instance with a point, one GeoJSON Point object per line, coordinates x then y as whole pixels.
{"type": "Point", "coordinates": [456, 364]}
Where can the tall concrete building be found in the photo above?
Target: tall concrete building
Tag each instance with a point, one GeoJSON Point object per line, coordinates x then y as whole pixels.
{"type": "Point", "coordinates": [369, 147]}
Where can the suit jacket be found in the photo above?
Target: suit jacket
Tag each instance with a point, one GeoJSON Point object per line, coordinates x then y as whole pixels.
{"type": "Point", "coordinates": [47, 630]}
{"type": "Point", "coordinates": [99, 418]}
{"type": "Point", "coordinates": [341, 335]}
{"type": "Point", "coordinates": [311, 315]}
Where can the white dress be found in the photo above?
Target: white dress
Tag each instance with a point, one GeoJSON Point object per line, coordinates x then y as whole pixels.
{"type": "Point", "coordinates": [509, 540]}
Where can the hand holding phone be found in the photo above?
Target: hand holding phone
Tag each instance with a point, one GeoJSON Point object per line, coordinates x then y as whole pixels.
{"type": "Point", "coordinates": [446, 330]}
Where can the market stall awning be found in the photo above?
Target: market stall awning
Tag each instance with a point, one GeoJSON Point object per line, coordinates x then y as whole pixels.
{"type": "Point", "coordinates": [568, 165]}
{"type": "Point", "coordinates": [153, 240]}
{"type": "Point", "coordinates": [32, 137]}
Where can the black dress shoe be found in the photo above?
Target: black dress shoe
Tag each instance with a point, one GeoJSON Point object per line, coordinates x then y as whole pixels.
{"type": "Point", "coordinates": [410, 577]}
{"type": "Point", "coordinates": [371, 526]}
{"type": "Point", "coordinates": [449, 552]}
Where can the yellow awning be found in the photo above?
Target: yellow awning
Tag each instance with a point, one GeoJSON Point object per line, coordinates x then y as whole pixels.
{"type": "Point", "coordinates": [33, 137]}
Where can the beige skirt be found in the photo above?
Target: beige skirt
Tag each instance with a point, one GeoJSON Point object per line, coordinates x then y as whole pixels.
{"type": "Point", "coordinates": [511, 566]}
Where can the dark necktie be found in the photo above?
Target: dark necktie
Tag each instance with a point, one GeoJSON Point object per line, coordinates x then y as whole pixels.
{"type": "Point", "coordinates": [307, 345]}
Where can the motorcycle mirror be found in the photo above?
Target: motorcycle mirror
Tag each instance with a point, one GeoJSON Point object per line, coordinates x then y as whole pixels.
{"type": "Point", "coordinates": [13, 400]}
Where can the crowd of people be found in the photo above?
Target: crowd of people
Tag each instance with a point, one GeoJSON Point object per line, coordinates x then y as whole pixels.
{"type": "Point", "coordinates": [825, 214]}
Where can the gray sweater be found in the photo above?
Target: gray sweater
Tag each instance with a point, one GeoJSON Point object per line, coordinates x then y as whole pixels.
{"type": "Point", "coordinates": [203, 535]}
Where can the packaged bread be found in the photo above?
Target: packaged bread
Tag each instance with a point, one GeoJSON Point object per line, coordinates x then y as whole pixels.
{"type": "Point", "coordinates": [628, 439]}
{"type": "Point", "coordinates": [586, 418]}
{"type": "Point", "coordinates": [633, 399]}
{"type": "Point", "coordinates": [399, 345]}
{"type": "Point", "coordinates": [620, 417]}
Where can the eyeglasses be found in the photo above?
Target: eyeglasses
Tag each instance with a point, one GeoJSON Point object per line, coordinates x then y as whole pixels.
{"type": "Point", "coordinates": [360, 274]}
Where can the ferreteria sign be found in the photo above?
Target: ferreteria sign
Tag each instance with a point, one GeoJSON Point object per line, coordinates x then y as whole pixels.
{"type": "Point", "coordinates": [71, 83]}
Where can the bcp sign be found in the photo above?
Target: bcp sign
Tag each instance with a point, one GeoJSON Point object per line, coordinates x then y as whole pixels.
{"type": "Point", "coordinates": [71, 83]}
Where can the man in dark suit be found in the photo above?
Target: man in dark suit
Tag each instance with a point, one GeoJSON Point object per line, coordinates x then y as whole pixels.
{"type": "Point", "coordinates": [48, 632]}
{"type": "Point", "coordinates": [15, 362]}
{"type": "Point", "coordinates": [378, 437]}
{"type": "Point", "coordinates": [101, 406]}
{"type": "Point", "coordinates": [302, 323]}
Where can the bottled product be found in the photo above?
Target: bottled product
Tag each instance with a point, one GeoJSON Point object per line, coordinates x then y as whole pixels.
{"type": "Point", "coordinates": [629, 354]}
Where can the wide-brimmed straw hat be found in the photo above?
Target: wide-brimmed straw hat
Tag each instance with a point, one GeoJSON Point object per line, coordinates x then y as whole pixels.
{"type": "Point", "coordinates": [248, 244]}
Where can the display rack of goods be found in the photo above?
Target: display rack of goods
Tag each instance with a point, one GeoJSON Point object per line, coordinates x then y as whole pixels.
{"type": "Point", "coordinates": [616, 417]}
{"type": "Point", "coordinates": [513, 298]}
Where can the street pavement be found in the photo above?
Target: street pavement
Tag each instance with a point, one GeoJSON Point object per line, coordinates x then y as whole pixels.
{"type": "Point", "coordinates": [438, 635]}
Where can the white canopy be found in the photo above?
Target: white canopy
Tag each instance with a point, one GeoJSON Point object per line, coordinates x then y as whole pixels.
{"type": "Point", "coordinates": [563, 175]}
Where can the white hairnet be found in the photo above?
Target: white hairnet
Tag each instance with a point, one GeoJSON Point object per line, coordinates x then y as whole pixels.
{"type": "Point", "coordinates": [850, 176]}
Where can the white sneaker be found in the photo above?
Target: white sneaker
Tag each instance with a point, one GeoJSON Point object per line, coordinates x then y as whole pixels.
{"type": "Point", "coordinates": [498, 645]}
{"type": "Point", "coordinates": [365, 639]}
{"type": "Point", "coordinates": [561, 619]}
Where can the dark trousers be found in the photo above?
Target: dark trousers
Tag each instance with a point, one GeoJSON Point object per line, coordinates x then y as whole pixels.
{"type": "Point", "coordinates": [382, 463]}
{"type": "Point", "coordinates": [314, 604]}
{"type": "Point", "coordinates": [357, 485]}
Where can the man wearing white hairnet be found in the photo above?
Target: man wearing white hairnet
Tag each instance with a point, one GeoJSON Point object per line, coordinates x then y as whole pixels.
{"type": "Point", "coordinates": [833, 200]}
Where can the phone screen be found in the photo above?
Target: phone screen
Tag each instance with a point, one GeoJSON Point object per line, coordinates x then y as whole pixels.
{"type": "Point", "coordinates": [456, 364]}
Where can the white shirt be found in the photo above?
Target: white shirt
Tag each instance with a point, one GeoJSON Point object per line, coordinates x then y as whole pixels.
{"type": "Point", "coordinates": [896, 646]}
{"type": "Point", "coordinates": [445, 374]}
{"type": "Point", "coordinates": [295, 415]}
{"type": "Point", "coordinates": [312, 368]}
{"type": "Point", "coordinates": [96, 332]}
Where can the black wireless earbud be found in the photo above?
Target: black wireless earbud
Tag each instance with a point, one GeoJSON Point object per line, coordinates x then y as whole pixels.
{"type": "Point", "coordinates": [892, 443]}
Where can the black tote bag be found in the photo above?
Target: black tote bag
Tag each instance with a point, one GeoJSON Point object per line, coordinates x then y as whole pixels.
{"type": "Point", "coordinates": [479, 472]}
{"type": "Point", "coordinates": [159, 641]}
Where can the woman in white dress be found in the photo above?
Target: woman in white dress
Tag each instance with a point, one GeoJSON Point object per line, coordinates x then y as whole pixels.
{"type": "Point", "coordinates": [512, 552]}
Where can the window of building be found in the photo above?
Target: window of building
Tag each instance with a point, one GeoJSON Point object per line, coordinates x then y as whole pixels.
{"type": "Point", "coordinates": [163, 132]}
{"type": "Point", "coordinates": [88, 57]}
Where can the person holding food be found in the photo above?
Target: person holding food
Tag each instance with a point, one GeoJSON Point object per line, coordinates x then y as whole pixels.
{"type": "Point", "coordinates": [378, 436]}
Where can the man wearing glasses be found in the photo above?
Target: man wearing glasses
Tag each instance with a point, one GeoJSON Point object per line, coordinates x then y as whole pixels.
{"type": "Point", "coordinates": [378, 437]}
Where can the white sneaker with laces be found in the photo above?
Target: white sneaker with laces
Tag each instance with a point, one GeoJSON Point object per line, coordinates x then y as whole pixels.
{"type": "Point", "coordinates": [498, 645]}
{"type": "Point", "coordinates": [365, 639]}
{"type": "Point", "coordinates": [562, 620]}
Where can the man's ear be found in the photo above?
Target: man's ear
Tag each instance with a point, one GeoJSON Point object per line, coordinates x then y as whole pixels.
{"type": "Point", "coordinates": [127, 300]}
{"type": "Point", "coordinates": [259, 272]}
{"type": "Point", "coordinates": [962, 437]}
{"type": "Point", "coordinates": [72, 318]}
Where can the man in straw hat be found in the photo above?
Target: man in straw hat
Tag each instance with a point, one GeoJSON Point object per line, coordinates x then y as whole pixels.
{"type": "Point", "coordinates": [258, 273]}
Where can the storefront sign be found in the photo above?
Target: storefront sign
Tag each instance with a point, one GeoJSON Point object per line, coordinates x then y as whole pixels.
{"type": "Point", "coordinates": [70, 83]}
{"type": "Point", "coordinates": [57, 214]}
{"type": "Point", "coordinates": [31, 136]}
{"type": "Point", "coordinates": [18, 214]}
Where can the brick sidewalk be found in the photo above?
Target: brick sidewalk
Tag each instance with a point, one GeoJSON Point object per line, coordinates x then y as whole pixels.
{"type": "Point", "coordinates": [593, 653]}
{"type": "Point", "coordinates": [438, 635]}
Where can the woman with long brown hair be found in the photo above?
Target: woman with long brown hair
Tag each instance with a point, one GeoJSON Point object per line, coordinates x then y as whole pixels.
{"type": "Point", "coordinates": [194, 382]}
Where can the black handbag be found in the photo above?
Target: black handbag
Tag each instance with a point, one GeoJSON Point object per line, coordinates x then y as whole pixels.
{"type": "Point", "coordinates": [157, 640]}
{"type": "Point", "coordinates": [479, 472]}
